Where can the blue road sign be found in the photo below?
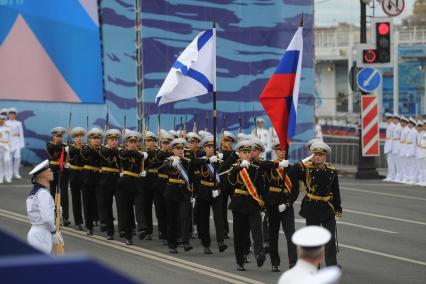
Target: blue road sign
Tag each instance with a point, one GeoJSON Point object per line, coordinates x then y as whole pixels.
{"type": "Point", "coordinates": [368, 79]}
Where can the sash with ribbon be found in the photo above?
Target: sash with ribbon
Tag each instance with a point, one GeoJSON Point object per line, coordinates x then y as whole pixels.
{"type": "Point", "coordinates": [211, 171]}
{"type": "Point", "coordinates": [183, 174]}
{"type": "Point", "coordinates": [250, 186]}
{"type": "Point", "coordinates": [287, 181]}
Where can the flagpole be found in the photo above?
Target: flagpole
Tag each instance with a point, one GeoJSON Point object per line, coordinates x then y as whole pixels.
{"type": "Point", "coordinates": [214, 106]}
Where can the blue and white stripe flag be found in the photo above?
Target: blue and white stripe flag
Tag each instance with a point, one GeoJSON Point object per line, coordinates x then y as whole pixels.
{"type": "Point", "coordinates": [194, 72]}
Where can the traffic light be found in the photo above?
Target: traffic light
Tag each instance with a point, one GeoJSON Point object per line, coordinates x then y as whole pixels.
{"type": "Point", "coordinates": [379, 52]}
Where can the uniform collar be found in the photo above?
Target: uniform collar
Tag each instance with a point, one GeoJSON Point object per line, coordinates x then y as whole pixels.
{"type": "Point", "coordinates": [36, 188]}
{"type": "Point", "coordinates": [306, 266]}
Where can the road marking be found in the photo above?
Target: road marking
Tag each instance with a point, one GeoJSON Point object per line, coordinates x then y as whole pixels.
{"type": "Point", "coordinates": [15, 185]}
{"type": "Point", "coordinates": [387, 184]}
{"type": "Point", "coordinates": [302, 221]}
{"type": "Point", "coordinates": [201, 269]}
{"type": "Point", "coordinates": [384, 217]}
{"type": "Point", "coordinates": [379, 216]}
{"type": "Point", "coordinates": [384, 254]}
{"type": "Point", "coordinates": [383, 193]}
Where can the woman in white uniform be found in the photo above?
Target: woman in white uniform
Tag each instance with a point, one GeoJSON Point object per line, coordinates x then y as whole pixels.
{"type": "Point", "coordinates": [41, 210]}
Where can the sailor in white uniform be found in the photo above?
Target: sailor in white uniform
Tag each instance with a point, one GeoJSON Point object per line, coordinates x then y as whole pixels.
{"type": "Point", "coordinates": [310, 241]}
{"type": "Point", "coordinates": [41, 210]}
{"type": "Point", "coordinates": [5, 169]}
{"type": "Point", "coordinates": [401, 174]}
{"type": "Point", "coordinates": [262, 134]}
{"type": "Point", "coordinates": [396, 145]}
{"type": "Point", "coordinates": [417, 176]}
{"type": "Point", "coordinates": [388, 147]}
{"type": "Point", "coordinates": [410, 151]}
{"type": "Point", "coordinates": [17, 141]}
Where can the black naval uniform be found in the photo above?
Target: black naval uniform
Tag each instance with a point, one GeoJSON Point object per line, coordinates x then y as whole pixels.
{"type": "Point", "coordinates": [150, 185]}
{"type": "Point", "coordinates": [110, 173]}
{"type": "Point", "coordinates": [322, 201]}
{"type": "Point", "coordinates": [129, 191]}
{"type": "Point", "coordinates": [91, 169]}
{"type": "Point", "coordinates": [205, 200]}
{"type": "Point", "coordinates": [54, 152]}
{"type": "Point", "coordinates": [76, 182]}
{"type": "Point", "coordinates": [246, 215]}
{"type": "Point", "coordinates": [226, 188]}
{"type": "Point", "coordinates": [280, 192]}
{"type": "Point", "coordinates": [178, 196]}
{"type": "Point", "coordinates": [160, 202]}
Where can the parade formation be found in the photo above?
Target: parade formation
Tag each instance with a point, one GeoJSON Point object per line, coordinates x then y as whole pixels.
{"type": "Point", "coordinates": [182, 176]}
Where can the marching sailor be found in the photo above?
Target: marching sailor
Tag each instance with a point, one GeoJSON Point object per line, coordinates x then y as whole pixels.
{"type": "Point", "coordinates": [41, 210]}
{"type": "Point", "coordinates": [322, 205]}
{"type": "Point", "coordinates": [56, 152]}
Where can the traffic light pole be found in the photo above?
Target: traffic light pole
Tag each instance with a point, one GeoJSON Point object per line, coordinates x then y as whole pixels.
{"type": "Point", "coordinates": [366, 168]}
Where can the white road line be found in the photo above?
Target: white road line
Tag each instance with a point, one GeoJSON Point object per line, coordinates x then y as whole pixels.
{"type": "Point", "coordinates": [302, 221]}
{"type": "Point", "coordinates": [205, 270]}
{"type": "Point", "coordinates": [384, 254]}
{"type": "Point", "coordinates": [383, 193]}
{"type": "Point", "coordinates": [384, 217]}
{"type": "Point", "coordinates": [387, 184]}
{"type": "Point", "coordinates": [379, 216]}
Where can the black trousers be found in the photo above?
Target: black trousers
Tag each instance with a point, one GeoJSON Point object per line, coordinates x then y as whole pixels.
{"type": "Point", "coordinates": [106, 191]}
{"type": "Point", "coordinates": [226, 194]}
{"type": "Point", "coordinates": [285, 218]}
{"type": "Point", "coordinates": [91, 181]}
{"type": "Point", "coordinates": [128, 194]}
{"type": "Point", "coordinates": [265, 228]}
{"type": "Point", "coordinates": [63, 189]}
{"type": "Point", "coordinates": [139, 203]}
{"type": "Point", "coordinates": [204, 219]}
{"type": "Point", "coordinates": [330, 247]}
{"type": "Point", "coordinates": [148, 200]}
{"type": "Point", "coordinates": [160, 209]}
{"type": "Point", "coordinates": [177, 220]}
{"type": "Point", "coordinates": [76, 184]}
{"type": "Point", "coordinates": [243, 223]}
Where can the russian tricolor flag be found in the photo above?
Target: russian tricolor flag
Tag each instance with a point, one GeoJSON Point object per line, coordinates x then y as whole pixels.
{"type": "Point", "coordinates": [280, 95]}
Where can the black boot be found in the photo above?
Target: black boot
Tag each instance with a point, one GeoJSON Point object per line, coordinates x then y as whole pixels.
{"type": "Point", "coordinates": [240, 267]}
{"type": "Point", "coordinates": [129, 242]}
{"type": "Point", "coordinates": [246, 258]}
{"type": "Point", "coordinates": [173, 250]}
{"type": "Point", "coordinates": [90, 232]}
{"type": "Point", "coordinates": [222, 246]}
{"type": "Point", "coordinates": [207, 250]}
{"type": "Point", "coordinates": [110, 237]}
{"type": "Point", "coordinates": [275, 268]}
{"type": "Point", "coordinates": [149, 237]}
{"type": "Point", "coordinates": [66, 223]}
{"type": "Point", "coordinates": [142, 234]}
{"type": "Point", "coordinates": [79, 228]}
{"type": "Point", "coordinates": [187, 247]}
{"type": "Point", "coordinates": [260, 259]}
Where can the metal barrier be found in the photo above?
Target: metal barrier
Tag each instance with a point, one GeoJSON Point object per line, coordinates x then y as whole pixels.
{"type": "Point", "coordinates": [344, 155]}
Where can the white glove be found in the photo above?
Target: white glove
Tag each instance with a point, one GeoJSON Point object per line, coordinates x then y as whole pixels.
{"type": "Point", "coordinates": [282, 207]}
{"type": "Point", "coordinates": [175, 163]}
{"type": "Point", "coordinates": [262, 215]}
{"type": "Point", "coordinates": [213, 159]}
{"type": "Point", "coordinates": [245, 164]}
{"type": "Point", "coordinates": [193, 201]}
{"type": "Point", "coordinates": [57, 238]}
{"type": "Point", "coordinates": [67, 165]}
{"type": "Point", "coordinates": [220, 156]}
{"type": "Point", "coordinates": [143, 173]}
{"type": "Point", "coordinates": [238, 154]}
{"type": "Point", "coordinates": [145, 155]}
{"type": "Point", "coordinates": [67, 149]}
{"type": "Point", "coordinates": [305, 160]}
{"type": "Point", "coordinates": [283, 164]}
{"type": "Point", "coordinates": [215, 193]}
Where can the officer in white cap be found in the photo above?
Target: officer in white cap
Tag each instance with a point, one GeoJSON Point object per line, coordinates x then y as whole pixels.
{"type": "Point", "coordinates": [57, 156]}
{"type": "Point", "coordinates": [17, 141]}
{"type": "Point", "coordinates": [321, 205]}
{"type": "Point", "coordinates": [41, 210]}
{"type": "Point", "coordinates": [75, 167]}
{"type": "Point", "coordinates": [402, 164]}
{"type": "Point", "coordinates": [5, 157]}
{"type": "Point", "coordinates": [396, 137]}
{"type": "Point", "coordinates": [310, 242]}
{"type": "Point", "coordinates": [388, 147]}
{"type": "Point", "coordinates": [261, 133]}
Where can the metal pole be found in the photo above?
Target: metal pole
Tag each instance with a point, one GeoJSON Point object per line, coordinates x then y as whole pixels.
{"type": "Point", "coordinates": [395, 73]}
{"type": "Point", "coordinates": [366, 168]}
{"type": "Point", "coordinates": [139, 68]}
{"type": "Point", "coordinates": [350, 63]}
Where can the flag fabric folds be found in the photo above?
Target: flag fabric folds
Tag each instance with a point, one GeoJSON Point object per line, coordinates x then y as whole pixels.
{"type": "Point", "coordinates": [194, 72]}
{"type": "Point", "coordinates": [280, 96]}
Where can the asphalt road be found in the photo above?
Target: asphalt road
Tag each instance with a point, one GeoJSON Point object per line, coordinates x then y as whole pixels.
{"type": "Point", "coordinates": [382, 239]}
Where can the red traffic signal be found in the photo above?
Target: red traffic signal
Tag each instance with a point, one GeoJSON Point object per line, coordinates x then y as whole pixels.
{"type": "Point", "coordinates": [383, 28]}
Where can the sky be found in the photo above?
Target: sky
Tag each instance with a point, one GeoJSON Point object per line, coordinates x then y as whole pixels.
{"type": "Point", "coordinates": [330, 12]}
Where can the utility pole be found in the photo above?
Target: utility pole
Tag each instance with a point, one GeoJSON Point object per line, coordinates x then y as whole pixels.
{"type": "Point", "coordinates": [366, 168]}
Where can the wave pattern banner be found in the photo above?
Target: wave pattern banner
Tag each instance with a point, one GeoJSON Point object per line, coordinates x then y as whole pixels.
{"type": "Point", "coordinates": [251, 37]}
